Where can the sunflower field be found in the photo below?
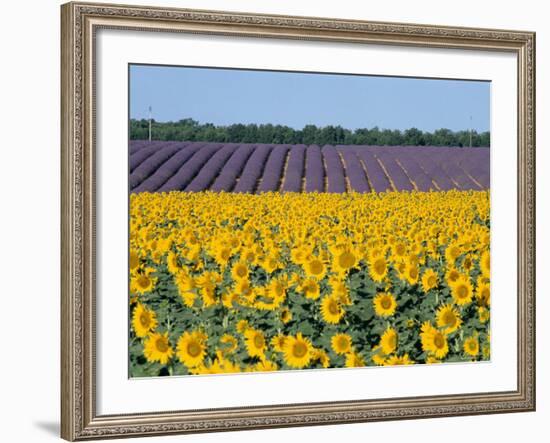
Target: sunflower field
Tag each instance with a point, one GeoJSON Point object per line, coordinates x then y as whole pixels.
{"type": "Point", "coordinates": [230, 282]}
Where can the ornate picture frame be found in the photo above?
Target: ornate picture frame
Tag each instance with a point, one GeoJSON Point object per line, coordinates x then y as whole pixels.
{"type": "Point", "coordinates": [80, 23]}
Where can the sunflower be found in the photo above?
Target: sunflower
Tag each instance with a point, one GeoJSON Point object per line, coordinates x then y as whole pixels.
{"type": "Point", "coordinates": [429, 280]}
{"type": "Point", "coordinates": [265, 366]}
{"type": "Point", "coordinates": [452, 253]}
{"type": "Point", "coordinates": [319, 355]}
{"type": "Point", "coordinates": [343, 260]}
{"type": "Point", "coordinates": [384, 304]}
{"type": "Point", "coordinates": [297, 351]}
{"type": "Point", "coordinates": [433, 341]}
{"type": "Point", "coordinates": [451, 275]}
{"type": "Point", "coordinates": [341, 343]}
{"type": "Point", "coordinates": [255, 342]}
{"type": "Point", "coordinates": [310, 288]}
{"type": "Point", "coordinates": [157, 348]}
{"type": "Point", "coordinates": [144, 320]}
{"type": "Point", "coordinates": [143, 282]}
{"type": "Point", "coordinates": [331, 310]}
{"type": "Point", "coordinates": [242, 326]}
{"type": "Point", "coordinates": [378, 357]}
{"type": "Point", "coordinates": [485, 264]}
{"type": "Point", "coordinates": [192, 348]}
{"type": "Point", "coordinates": [462, 290]}
{"type": "Point", "coordinates": [134, 260]}
{"type": "Point", "coordinates": [467, 263]}
{"type": "Point", "coordinates": [229, 343]}
{"type": "Point", "coordinates": [448, 318]}
{"type": "Point", "coordinates": [412, 273]}
{"type": "Point", "coordinates": [354, 360]}
{"type": "Point", "coordinates": [276, 290]}
{"type": "Point", "coordinates": [239, 271]}
{"type": "Point", "coordinates": [172, 262]}
{"type": "Point", "coordinates": [340, 290]}
{"type": "Point", "coordinates": [271, 263]}
{"type": "Point", "coordinates": [394, 360]}
{"type": "Point", "coordinates": [378, 269]}
{"type": "Point", "coordinates": [483, 314]}
{"type": "Point", "coordinates": [286, 315]}
{"type": "Point", "coordinates": [471, 346]}
{"type": "Point", "coordinates": [278, 342]}
{"type": "Point", "coordinates": [388, 341]}
{"type": "Point", "coordinates": [315, 268]}
{"type": "Point", "coordinates": [483, 293]}
{"type": "Point", "coordinates": [222, 254]}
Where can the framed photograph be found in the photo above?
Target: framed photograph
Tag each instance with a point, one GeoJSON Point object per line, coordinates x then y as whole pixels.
{"type": "Point", "coordinates": [282, 221]}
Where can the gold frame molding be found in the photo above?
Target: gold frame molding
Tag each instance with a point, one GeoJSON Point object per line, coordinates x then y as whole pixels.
{"type": "Point", "coordinates": [79, 22]}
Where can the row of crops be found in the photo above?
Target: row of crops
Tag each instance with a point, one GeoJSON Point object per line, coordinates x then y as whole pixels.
{"type": "Point", "coordinates": [158, 166]}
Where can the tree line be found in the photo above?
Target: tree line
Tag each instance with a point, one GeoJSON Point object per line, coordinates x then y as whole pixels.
{"type": "Point", "coordinates": [191, 130]}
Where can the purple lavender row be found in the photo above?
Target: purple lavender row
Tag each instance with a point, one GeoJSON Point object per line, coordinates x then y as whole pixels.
{"type": "Point", "coordinates": [375, 173]}
{"type": "Point", "coordinates": [153, 162]}
{"type": "Point", "coordinates": [434, 171]}
{"type": "Point", "coordinates": [450, 165]}
{"type": "Point", "coordinates": [355, 172]}
{"type": "Point", "coordinates": [335, 170]}
{"type": "Point", "coordinates": [136, 145]}
{"type": "Point", "coordinates": [253, 169]}
{"type": "Point", "coordinates": [414, 171]}
{"type": "Point", "coordinates": [141, 155]}
{"type": "Point", "coordinates": [273, 171]}
{"type": "Point", "coordinates": [394, 171]}
{"type": "Point", "coordinates": [226, 179]}
{"type": "Point", "coordinates": [315, 170]}
{"type": "Point", "coordinates": [190, 168]}
{"type": "Point", "coordinates": [168, 168]}
{"type": "Point", "coordinates": [477, 165]}
{"type": "Point", "coordinates": [211, 169]}
{"type": "Point", "coordinates": [292, 179]}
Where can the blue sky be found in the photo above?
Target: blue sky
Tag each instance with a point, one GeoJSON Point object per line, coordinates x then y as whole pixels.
{"type": "Point", "coordinates": [226, 96]}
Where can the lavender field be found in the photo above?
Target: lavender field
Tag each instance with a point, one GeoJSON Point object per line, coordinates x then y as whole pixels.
{"type": "Point", "coordinates": [255, 168]}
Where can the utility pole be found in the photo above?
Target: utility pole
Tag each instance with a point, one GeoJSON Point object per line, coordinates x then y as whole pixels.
{"type": "Point", "coordinates": [151, 119]}
{"type": "Point", "coordinates": [470, 131]}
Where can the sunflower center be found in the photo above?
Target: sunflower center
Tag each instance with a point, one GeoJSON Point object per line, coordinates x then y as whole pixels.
{"type": "Point", "coordinates": [346, 260]}
{"type": "Point", "coordinates": [333, 308]}
{"type": "Point", "coordinates": [134, 260]}
{"type": "Point", "coordinates": [400, 249]}
{"type": "Point", "coordinates": [144, 319]}
{"type": "Point", "coordinates": [143, 281]}
{"type": "Point", "coordinates": [413, 272]}
{"type": "Point", "coordinates": [193, 349]}
{"type": "Point", "coordinates": [472, 346]}
{"type": "Point", "coordinates": [241, 271]}
{"type": "Point", "coordinates": [431, 280]}
{"type": "Point", "coordinates": [449, 319]}
{"type": "Point", "coordinates": [386, 303]}
{"type": "Point", "coordinates": [278, 289]}
{"type": "Point", "coordinates": [379, 266]}
{"type": "Point", "coordinates": [300, 350]}
{"type": "Point", "coordinates": [162, 344]}
{"type": "Point", "coordinates": [453, 276]}
{"type": "Point", "coordinates": [316, 267]}
{"type": "Point", "coordinates": [259, 341]}
{"type": "Point", "coordinates": [439, 341]}
{"type": "Point", "coordinates": [343, 343]}
{"type": "Point", "coordinates": [462, 291]}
